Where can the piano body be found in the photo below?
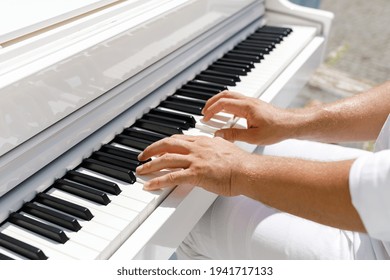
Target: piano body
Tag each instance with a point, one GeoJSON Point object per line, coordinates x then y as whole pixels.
{"type": "Point", "coordinates": [69, 88]}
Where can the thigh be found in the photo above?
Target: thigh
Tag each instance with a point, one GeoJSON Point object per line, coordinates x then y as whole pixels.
{"type": "Point", "coordinates": [310, 150]}
{"type": "Point", "coordinates": [241, 228]}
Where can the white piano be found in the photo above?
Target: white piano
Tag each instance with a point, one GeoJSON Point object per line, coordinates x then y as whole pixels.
{"type": "Point", "coordinates": [84, 88]}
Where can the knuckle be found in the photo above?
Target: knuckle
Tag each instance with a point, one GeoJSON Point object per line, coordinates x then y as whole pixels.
{"type": "Point", "coordinates": [167, 158]}
{"type": "Point", "coordinates": [146, 166]}
{"type": "Point", "coordinates": [227, 134]}
{"type": "Point", "coordinates": [225, 93]}
{"type": "Point", "coordinates": [171, 177]}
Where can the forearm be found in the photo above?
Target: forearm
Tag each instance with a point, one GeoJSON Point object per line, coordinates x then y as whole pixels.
{"type": "Point", "coordinates": [318, 191]}
{"type": "Point", "coordinates": [358, 118]}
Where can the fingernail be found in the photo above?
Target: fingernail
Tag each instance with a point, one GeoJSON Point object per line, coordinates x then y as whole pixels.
{"type": "Point", "coordinates": [139, 169]}
{"type": "Point", "coordinates": [140, 155]}
{"type": "Point", "coordinates": [146, 185]}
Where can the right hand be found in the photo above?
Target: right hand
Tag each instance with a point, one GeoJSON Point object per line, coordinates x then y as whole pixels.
{"type": "Point", "coordinates": [266, 124]}
{"type": "Point", "coordinates": [198, 161]}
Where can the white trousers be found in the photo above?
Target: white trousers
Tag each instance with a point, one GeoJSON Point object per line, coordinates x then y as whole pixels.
{"type": "Point", "coordinates": [241, 228]}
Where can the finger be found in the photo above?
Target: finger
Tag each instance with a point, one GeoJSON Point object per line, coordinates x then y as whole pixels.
{"type": "Point", "coordinates": [236, 107]}
{"type": "Point", "coordinates": [171, 179]}
{"type": "Point", "coordinates": [189, 138]}
{"type": "Point", "coordinates": [166, 145]}
{"type": "Point", "coordinates": [223, 94]}
{"type": "Point", "coordinates": [235, 134]}
{"type": "Point", "coordinates": [167, 161]}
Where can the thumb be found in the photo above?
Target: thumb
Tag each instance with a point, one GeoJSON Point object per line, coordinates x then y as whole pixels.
{"type": "Point", "coordinates": [233, 134]}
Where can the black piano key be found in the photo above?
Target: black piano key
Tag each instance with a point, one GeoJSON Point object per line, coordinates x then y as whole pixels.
{"type": "Point", "coordinates": [38, 227]}
{"type": "Point", "coordinates": [188, 101]}
{"type": "Point", "coordinates": [51, 216]}
{"type": "Point", "coordinates": [167, 120]}
{"type": "Point", "coordinates": [249, 64]}
{"type": "Point", "coordinates": [133, 142]}
{"type": "Point", "coordinates": [243, 57]}
{"type": "Point", "coordinates": [228, 69]}
{"type": "Point", "coordinates": [196, 110]}
{"type": "Point", "coordinates": [143, 134]}
{"type": "Point", "coordinates": [242, 66]}
{"type": "Point", "coordinates": [123, 174]}
{"type": "Point", "coordinates": [185, 117]}
{"type": "Point", "coordinates": [21, 248]}
{"type": "Point", "coordinates": [5, 258]}
{"type": "Point", "coordinates": [248, 52]}
{"type": "Point", "coordinates": [279, 29]}
{"type": "Point", "coordinates": [97, 183]}
{"type": "Point", "coordinates": [283, 32]}
{"type": "Point", "coordinates": [259, 56]}
{"type": "Point", "coordinates": [116, 160]}
{"type": "Point", "coordinates": [214, 79]}
{"type": "Point", "coordinates": [257, 44]}
{"type": "Point", "coordinates": [165, 129]}
{"type": "Point", "coordinates": [276, 37]}
{"type": "Point", "coordinates": [198, 94]}
{"type": "Point", "coordinates": [64, 206]}
{"type": "Point", "coordinates": [119, 151]}
{"type": "Point", "coordinates": [215, 86]}
{"type": "Point", "coordinates": [82, 191]}
{"type": "Point", "coordinates": [210, 72]}
{"type": "Point", "coordinates": [260, 39]}
{"type": "Point", "coordinates": [201, 88]}
{"type": "Point", "coordinates": [262, 50]}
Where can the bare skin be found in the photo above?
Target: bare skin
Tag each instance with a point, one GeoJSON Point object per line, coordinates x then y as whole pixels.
{"type": "Point", "coordinates": [318, 191]}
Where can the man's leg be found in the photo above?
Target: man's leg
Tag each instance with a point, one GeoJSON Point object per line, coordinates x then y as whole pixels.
{"type": "Point", "coordinates": [241, 228]}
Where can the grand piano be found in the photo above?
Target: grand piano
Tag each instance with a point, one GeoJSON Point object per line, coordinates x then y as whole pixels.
{"type": "Point", "coordinates": [82, 92]}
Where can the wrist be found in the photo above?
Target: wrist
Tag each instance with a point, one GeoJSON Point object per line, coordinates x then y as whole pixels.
{"type": "Point", "coordinates": [300, 123]}
{"type": "Point", "coordinates": [246, 175]}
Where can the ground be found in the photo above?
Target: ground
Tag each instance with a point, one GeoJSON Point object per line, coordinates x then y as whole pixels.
{"type": "Point", "coordinates": [358, 53]}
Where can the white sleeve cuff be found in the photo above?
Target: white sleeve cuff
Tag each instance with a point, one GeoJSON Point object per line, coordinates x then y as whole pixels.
{"type": "Point", "coordinates": [369, 183]}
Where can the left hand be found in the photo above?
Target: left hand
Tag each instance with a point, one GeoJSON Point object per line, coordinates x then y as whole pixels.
{"type": "Point", "coordinates": [210, 163]}
{"type": "Point", "coordinates": [266, 123]}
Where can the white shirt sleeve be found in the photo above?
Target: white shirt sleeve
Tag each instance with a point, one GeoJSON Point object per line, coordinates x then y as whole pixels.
{"type": "Point", "coordinates": [369, 183]}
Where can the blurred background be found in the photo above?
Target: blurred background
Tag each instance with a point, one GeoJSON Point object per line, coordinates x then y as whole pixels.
{"type": "Point", "coordinates": [358, 52]}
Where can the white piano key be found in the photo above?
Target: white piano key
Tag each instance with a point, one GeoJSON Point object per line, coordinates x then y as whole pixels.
{"type": "Point", "coordinates": [132, 218]}
{"type": "Point", "coordinates": [81, 237]}
{"type": "Point", "coordinates": [141, 201]}
{"type": "Point", "coordinates": [265, 71]}
{"type": "Point", "coordinates": [128, 202]}
{"type": "Point", "coordinates": [110, 209]}
{"type": "Point", "coordinates": [50, 248]}
{"type": "Point", "coordinates": [11, 254]}
{"type": "Point", "coordinates": [202, 128]}
{"type": "Point", "coordinates": [99, 217]}
{"type": "Point", "coordinates": [134, 191]}
{"type": "Point", "coordinates": [199, 132]}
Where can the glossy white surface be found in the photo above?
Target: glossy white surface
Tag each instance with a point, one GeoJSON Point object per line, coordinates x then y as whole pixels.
{"type": "Point", "coordinates": [47, 77]}
{"type": "Point", "coordinates": [21, 17]}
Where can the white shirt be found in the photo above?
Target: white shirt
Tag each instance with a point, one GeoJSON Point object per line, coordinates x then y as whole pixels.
{"type": "Point", "coordinates": [369, 183]}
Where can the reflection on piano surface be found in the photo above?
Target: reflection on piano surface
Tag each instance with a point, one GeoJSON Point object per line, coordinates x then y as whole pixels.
{"type": "Point", "coordinates": [74, 120]}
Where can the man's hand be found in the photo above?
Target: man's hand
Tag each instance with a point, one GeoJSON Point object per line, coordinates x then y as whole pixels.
{"type": "Point", "coordinates": [266, 123]}
{"type": "Point", "coordinates": [211, 163]}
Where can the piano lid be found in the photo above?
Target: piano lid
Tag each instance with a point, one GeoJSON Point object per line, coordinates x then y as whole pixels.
{"type": "Point", "coordinates": [47, 77]}
{"type": "Point", "coordinates": [21, 17]}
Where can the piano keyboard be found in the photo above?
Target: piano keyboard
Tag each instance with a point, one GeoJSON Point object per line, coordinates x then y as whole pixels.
{"type": "Point", "coordinates": [94, 208]}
